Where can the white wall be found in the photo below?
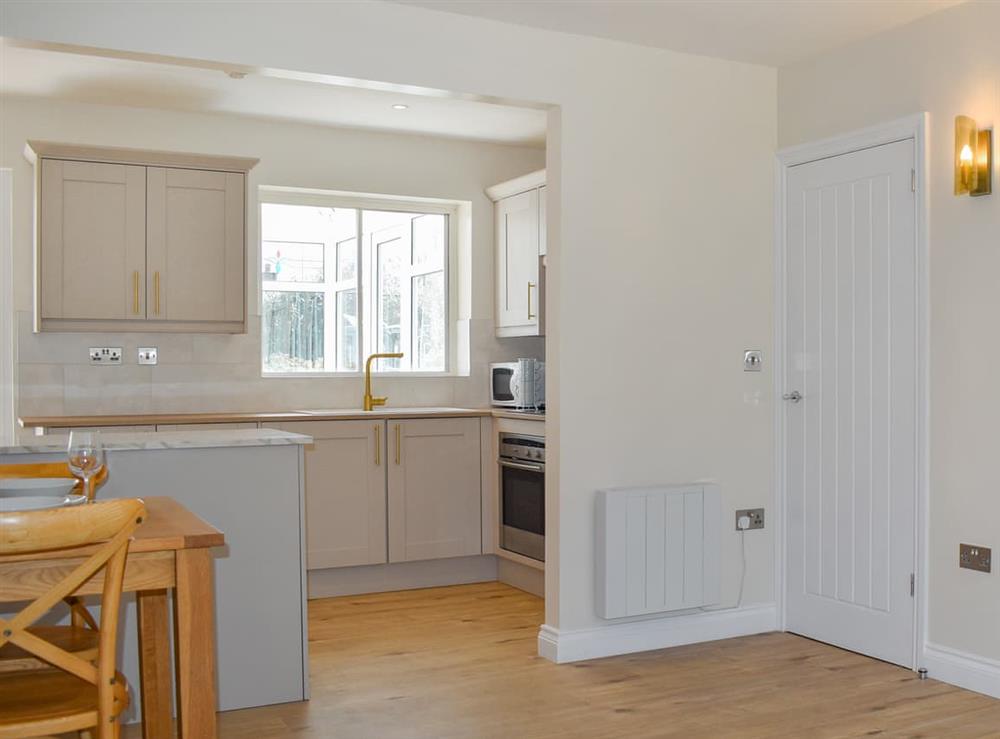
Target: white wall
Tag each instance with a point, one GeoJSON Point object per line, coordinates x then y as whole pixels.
{"type": "Point", "coordinates": [946, 64]}
{"type": "Point", "coordinates": [203, 373]}
{"type": "Point", "coordinates": [660, 261]}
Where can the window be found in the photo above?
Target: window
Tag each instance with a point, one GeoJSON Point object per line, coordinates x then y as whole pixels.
{"type": "Point", "coordinates": [341, 282]}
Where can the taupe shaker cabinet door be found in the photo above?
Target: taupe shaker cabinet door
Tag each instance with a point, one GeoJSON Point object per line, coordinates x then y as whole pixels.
{"type": "Point", "coordinates": [92, 241]}
{"type": "Point", "coordinates": [194, 245]}
{"type": "Point", "coordinates": [345, 492]}
{"type": "Point", "coordinates": [434, 488]}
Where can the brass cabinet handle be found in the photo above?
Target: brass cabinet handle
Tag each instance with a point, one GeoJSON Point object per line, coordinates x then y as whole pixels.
{"type": "Point", "coordinates": [135, 292]}
{"type": "Point", "coordinates": [398, 443]}
{"type": "Point", "coordinates": [156, 293]}
{"type": "Point", "coordinates": [530, 314]}
{"type": "Point", "coordinates": [378, 446]}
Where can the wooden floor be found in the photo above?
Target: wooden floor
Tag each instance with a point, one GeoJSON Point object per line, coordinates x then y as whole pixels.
{"type": "Point", "coordinates": [461, 662]}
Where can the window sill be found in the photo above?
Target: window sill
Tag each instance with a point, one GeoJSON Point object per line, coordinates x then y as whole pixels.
{"type": "Point", "coordinates": [354, 375]}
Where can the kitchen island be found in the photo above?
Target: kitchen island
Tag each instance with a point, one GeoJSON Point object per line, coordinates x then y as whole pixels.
{"type": "Point", "coordinates": [249, 484]}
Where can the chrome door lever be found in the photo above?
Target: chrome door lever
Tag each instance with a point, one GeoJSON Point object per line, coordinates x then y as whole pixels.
{"type": "Point", "coordinates": [795, 396]}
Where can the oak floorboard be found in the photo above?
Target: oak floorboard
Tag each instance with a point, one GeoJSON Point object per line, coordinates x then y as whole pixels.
{"type": "Point", "coordinates": [461, 662]}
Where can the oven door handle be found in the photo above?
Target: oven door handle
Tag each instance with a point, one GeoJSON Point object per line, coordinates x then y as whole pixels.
{"type": "Point", "coordinates": [523, 466]}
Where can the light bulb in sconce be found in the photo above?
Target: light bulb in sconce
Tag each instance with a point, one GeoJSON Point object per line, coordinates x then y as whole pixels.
{"type": "Point", "coordinates": [965, 168]}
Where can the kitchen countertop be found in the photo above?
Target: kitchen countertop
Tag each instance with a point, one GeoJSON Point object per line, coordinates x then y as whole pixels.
{"type": "Point", "coordinates": [143, 440]}
{"type": "Point", "coordinates": [332, 414]}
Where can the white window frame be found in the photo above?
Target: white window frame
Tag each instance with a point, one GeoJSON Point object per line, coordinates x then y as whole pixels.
{"type": "Point", "coordinates": [362, 202]}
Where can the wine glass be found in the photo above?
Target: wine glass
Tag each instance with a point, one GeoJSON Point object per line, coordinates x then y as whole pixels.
{"type": "Point", "coordinates": [86, 456]}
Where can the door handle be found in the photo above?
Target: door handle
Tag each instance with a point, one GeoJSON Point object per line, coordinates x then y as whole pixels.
{"type": "Point", "coordinates": [522, 466]}
{"type": "Point", "coordinates": [378, 446]}
{"type": "Point", "coordinates": [531, 315]}
{"type": "Point", "coordinates": [135, 292]}
{"type": "Point", "coordinates": [795, 396]}
{"type": "Point", "coordinates": [398, 442]}
{"type": "Point", "coordinates": [156, 293]}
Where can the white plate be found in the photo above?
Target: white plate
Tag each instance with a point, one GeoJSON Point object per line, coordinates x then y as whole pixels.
{"type": "Point", "coordinates": [39, 502]}
{"type": "Point", "coordinates": [34, 486]}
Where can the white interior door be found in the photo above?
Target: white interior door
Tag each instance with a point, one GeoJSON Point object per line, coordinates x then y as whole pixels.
{"type": "Point", "coordinates": [851, 436]}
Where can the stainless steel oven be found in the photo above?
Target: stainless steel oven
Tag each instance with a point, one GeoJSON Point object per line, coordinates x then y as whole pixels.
{"type": "Point", "coordinates": [522, 495]}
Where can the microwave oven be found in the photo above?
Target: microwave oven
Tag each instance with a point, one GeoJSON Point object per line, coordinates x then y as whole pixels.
{"type": "Point", "coordinates": [519, 384]}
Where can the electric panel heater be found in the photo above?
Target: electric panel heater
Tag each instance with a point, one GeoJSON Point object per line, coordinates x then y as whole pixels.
{"type": "Point", "coordinates": [657, 549]}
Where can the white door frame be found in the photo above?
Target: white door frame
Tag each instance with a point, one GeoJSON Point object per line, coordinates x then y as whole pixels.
{"type": "Point", "coordinates": [7, 348]}
{"type": "Point", "coordinates": [913, 127]}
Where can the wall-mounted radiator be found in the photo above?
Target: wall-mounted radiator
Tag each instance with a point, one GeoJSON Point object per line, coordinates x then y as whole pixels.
{"type": "Point", "coordinates": [657, 549]}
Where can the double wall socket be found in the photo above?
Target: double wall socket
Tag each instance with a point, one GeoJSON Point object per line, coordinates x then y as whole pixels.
{"type": "Point", "coordinates": [756, 516]}
{"type": "Point", "coordinates": [973, 557]}
{"type": "Point", "coordinates": [105, 355]}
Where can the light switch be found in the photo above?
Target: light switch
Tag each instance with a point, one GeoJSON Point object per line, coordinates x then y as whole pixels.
{"type": "Point", "coordinates": [147, 355]}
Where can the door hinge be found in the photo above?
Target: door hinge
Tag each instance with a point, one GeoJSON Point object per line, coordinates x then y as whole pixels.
{"type": "Point", "coordinates": [913, 180]}
{"type": "Point", "coordinates": [913, 584]}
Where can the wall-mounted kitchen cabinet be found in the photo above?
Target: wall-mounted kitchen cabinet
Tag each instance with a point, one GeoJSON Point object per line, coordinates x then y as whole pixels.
{"type": "Point", "coordinates": [391, 491]}
{"type": "Point", "coordinates": [130, 240]}
{"type": "Point", "coordinates": [521, 244]}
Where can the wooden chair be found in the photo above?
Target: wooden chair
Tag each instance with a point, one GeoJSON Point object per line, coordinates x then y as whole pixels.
{"type": "Point", "coordinates": [78, 695]}
{"type": "Point", "coordinates": [81, 636]}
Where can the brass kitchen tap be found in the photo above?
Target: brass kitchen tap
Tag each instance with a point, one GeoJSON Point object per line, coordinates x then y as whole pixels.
{"type": "Point", "coordinates": [370, 400]}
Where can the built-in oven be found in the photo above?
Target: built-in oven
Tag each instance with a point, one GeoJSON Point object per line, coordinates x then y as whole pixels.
{"type": "Point", "coordinates": [522, 495]}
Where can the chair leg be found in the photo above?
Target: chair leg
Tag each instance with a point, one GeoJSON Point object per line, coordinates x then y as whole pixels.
{"type": "Point", "coordinates": [111, 730]}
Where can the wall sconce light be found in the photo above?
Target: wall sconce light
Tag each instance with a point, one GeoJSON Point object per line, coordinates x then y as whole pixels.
{"type": "Point", "coordinates": [973, 158]}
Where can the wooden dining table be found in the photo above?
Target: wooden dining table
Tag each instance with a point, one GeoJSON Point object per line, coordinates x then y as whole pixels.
{"type": "Point", "coordinates": [171, 550]}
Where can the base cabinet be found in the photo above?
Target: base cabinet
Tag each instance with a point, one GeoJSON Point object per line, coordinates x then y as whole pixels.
{"type": "Point", "coordinates": [435, 489]}
{"type": "Point", "coordinates": [391, 491]}
{"type": "Point", "coordinates": [345, 492]}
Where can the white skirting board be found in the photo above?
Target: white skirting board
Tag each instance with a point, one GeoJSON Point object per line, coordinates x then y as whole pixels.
{"type": "Point", "coordinates": [642, 636]}
{"type": "Point", "coordinates": [969, 671]}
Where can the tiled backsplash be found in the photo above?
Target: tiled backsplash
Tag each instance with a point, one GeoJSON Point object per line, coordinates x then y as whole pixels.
{"type": "Point", "coordinates": [221, 372]}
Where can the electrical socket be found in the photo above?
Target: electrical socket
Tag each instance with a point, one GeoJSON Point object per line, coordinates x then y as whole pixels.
{"type": "Point", "coordinates": [105, 355]}
{"type": "Point", "coordinates": [756, 516]}
{"type": "Point", "coordinates": [973, 557]}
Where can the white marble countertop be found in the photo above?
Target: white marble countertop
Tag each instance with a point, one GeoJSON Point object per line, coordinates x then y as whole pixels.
{"type": "Point", "coordinates": [143, 440]}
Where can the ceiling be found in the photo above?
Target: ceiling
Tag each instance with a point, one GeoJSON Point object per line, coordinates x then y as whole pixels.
{"type": "Point", "coordinates": [81, 77]}
{"type": "Point", "coordinates": [770, 32]}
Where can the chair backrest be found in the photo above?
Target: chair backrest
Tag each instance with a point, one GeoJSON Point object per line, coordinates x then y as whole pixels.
{"type": "Point", "coordinates": [54, 469]}
{"type": "Point", "coordinates": [99, 535]}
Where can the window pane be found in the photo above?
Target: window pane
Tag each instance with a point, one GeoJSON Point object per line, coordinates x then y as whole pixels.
{"type": "Point", "coordinates": [391, 265]}
{"type": "Point", "coordinates": [289, 261]}
{"type": "Point", "coordinates": [429, 321]}
{"type": "Point", "coordinates": [347, 330]}
{"type": "Point", "coordinates": [347, 259]}
{"type": "Point", "coordinates": [292, 331]}
{"type": "Point", "coordinates": [429, 241]}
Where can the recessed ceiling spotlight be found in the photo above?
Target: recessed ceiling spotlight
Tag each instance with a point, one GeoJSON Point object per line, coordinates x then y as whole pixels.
{"type": "Point", "coordinates": [400, 106]}
{"type": "Point", "coordinates": [236, 75]}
